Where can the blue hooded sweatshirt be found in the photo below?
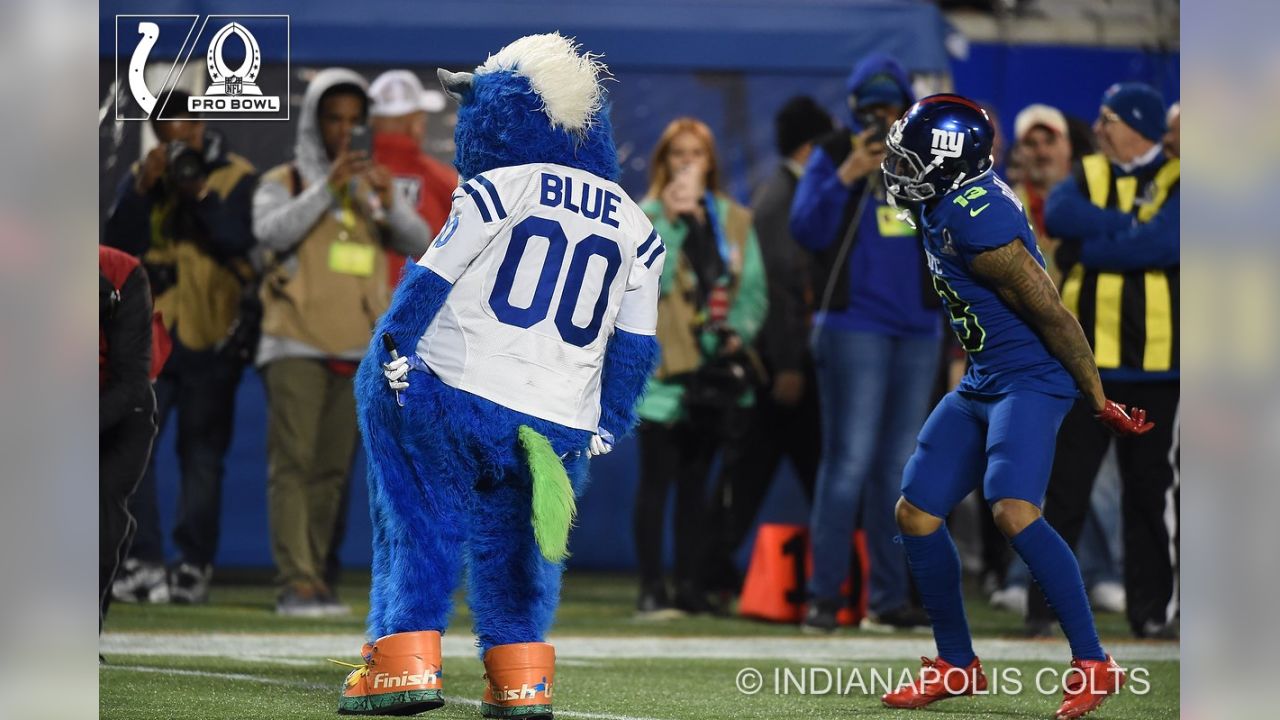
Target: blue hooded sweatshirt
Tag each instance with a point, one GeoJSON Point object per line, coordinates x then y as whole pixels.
{"type": "Point", "coordinates": [883, 290]}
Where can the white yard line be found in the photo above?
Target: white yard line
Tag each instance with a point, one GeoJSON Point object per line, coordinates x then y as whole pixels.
{"type": "Point", "coordinates": [238, 677]}
{"type": "Point", "coordinates": [218, 676]}
{"type": "Point", "coordinates": [288, 648]}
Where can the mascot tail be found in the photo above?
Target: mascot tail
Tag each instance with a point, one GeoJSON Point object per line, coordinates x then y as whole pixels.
{"type": "Point", "coordinates": [554, 507]}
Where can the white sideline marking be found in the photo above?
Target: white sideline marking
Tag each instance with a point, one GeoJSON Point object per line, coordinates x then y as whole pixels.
{"type": "Point", "coordinates": [281, 648]}
{"type": "Point", "coordinates": [332, 686]}
{"type": "Point", "coordinates": [218, 676]}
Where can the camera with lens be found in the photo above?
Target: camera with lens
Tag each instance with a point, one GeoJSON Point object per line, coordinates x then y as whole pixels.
{"type": "Point", "coordinates": [878, 126]}
{"type": "Point", "coordinates": [721, 380]}
{"type": "Point", "coordinates": [184, 165]}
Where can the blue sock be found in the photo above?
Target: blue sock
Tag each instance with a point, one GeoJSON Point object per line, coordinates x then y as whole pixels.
{"type": "Point", "coordinates": [935, 565]}
{"type": "Point", "coordinates": [1055, 569]}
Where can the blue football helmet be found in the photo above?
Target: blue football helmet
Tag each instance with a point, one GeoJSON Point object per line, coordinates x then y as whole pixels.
{"type": "Point", "coordinates": [941, 143]}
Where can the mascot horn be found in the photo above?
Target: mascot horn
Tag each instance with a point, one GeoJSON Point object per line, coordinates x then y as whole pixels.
{"type": "Point", "coordinates": [514, 350]}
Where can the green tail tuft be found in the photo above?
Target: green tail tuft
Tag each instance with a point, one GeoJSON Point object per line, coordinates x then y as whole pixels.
{"type": "Point", "coordinates": [554, 507]}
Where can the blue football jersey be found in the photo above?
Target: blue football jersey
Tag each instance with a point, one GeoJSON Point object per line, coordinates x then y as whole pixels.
{"type": "Point", "coordinates": [1006, 354]}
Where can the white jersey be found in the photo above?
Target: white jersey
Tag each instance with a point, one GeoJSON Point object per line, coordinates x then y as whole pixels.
{"type": "Point", "coordinates": [545, 262]}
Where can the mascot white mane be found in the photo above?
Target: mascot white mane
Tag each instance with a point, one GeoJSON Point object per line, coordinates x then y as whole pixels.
{"type": "Point", "coordinates": [567, 82]}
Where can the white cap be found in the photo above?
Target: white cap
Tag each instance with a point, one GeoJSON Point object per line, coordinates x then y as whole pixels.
{"type": "Point", "coordinates": [1038, 115]}
{"type": "Point", "coordinates": [399, 92]}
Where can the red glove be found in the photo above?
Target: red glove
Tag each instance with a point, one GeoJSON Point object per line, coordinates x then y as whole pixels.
{"type": "Point", "coordinates": [1123, 423]}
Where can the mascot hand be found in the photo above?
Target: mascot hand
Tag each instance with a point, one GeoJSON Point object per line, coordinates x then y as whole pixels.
{"type": "Point", "coordinates": [601, 443]}
{"type": "Point", "coordinates": [395, 372]}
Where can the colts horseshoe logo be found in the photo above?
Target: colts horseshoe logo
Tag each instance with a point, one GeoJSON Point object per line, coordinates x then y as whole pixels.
{"type": "Point", "coordinates": [138, 63]}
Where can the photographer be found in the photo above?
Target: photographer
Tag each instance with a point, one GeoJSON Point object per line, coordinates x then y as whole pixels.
{"type": "Point", "coordinates": [185, 211]}
{"type": "Point", "coordinates": [712, 305]}
{"type": "Point", "coordinates": [876, 345]}
{"type": "Point", "coordinates": [325, 220]}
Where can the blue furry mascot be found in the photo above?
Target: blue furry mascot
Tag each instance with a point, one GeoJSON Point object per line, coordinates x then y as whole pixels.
{"type": "Point", "coordinates": [513, 351]}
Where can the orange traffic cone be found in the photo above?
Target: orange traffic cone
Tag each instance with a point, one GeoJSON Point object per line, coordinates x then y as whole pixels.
{"type": "Point", "coordinates": [781, 563]}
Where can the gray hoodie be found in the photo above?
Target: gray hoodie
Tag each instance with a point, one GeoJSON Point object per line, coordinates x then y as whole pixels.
{"type": "Point", "coordinates": [281, 220]}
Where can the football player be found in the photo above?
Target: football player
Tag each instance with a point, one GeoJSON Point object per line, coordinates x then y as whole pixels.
{"type": "Point", "coordinates": [1029, 360]}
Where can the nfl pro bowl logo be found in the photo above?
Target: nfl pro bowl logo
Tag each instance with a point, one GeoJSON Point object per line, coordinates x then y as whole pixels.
{"type": "Point", "coordinates": [219, 60]}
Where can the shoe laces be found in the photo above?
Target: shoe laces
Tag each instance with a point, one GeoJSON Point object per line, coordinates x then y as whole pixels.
{"type": "Point", "coordinates": [925, 662]}
{"type": "Point", "coordinates": [359, 670]}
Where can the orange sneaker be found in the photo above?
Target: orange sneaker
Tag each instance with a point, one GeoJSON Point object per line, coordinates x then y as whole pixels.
{"type": "Point", "coordinates": [939, 680]}
{"type": "Point", "coordinates": [400, 676]}
{"type": "Point", "coordinates": [1088, 683]}
{"type": "Point", "coordinates": [518, 681]}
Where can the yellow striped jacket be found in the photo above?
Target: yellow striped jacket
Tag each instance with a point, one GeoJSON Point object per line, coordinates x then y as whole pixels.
{"type": "Point", "coordinates": [1130, 318]}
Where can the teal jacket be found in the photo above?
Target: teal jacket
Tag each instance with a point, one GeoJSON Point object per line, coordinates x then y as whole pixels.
{"type": "Point", "coordinates": [663, 401]}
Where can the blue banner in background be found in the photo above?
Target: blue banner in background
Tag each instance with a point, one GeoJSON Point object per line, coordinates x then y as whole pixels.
{"type": "Point", "coordinates": [658, 34]}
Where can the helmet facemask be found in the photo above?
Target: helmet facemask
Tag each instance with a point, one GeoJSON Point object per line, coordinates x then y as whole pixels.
{"type": "Point", "coordinates": [904, 171]}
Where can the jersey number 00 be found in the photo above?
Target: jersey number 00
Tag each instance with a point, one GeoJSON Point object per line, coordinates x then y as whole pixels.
{"type": "Point", "coordinates": [526, 317]}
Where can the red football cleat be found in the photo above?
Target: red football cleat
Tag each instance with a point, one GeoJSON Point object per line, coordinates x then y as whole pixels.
{"type": "Point", "coordinates": [939, 680]}
{"type": "Point", "coordinates": [1088, 683]}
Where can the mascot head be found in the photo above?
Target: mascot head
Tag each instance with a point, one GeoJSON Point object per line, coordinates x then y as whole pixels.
{"type": "Point", "coordinates": [537, 100]}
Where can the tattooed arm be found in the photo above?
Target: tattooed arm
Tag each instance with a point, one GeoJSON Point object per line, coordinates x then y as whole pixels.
{"type": "Point", "coordinates": [1024, 286]}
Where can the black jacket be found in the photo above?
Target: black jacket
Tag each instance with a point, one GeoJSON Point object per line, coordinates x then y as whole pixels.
{"type": "Point", "coordinates": [124, 341]}
{"type": "Point", "coordinates": [783, 341]}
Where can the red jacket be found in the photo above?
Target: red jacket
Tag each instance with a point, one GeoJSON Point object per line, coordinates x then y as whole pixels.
{"type": "Point", "coordinates": [418, 177]}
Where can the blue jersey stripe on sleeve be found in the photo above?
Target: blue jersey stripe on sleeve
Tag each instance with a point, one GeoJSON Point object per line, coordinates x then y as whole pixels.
{"type": "Point", "coordinates": [656, 253]}
{"type": "Point", "coordinates": [493, 193]}
{"type": "Point", "coordinates": [475, 195]}
{"type": "Point", "coordinates": [644, 247]}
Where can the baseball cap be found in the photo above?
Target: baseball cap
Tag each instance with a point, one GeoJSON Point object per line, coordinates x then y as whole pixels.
{"type": "Point", "coordinates": [1140, 106]}
{"type": "Point", "coordinates": [880, 89]}
{"type": "Point", "coordinates": [1039, 115]}
{"type": "Point", "coordinates": [399, 92]}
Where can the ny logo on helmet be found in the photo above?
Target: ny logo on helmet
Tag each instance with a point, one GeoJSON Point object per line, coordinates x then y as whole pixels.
{"type": "Point", "coordinates": [947, 144]}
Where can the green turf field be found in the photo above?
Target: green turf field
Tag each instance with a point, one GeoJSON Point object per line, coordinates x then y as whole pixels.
{"type": "Point", "coordinates": [234, 659]}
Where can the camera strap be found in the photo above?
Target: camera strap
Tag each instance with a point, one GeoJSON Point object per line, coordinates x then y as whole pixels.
{"type": "Point", "coordinates": [846, 244]}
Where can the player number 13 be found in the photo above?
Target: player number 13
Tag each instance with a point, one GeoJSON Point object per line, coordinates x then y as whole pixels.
{"type": "Point", "coordinates": [965, 324]}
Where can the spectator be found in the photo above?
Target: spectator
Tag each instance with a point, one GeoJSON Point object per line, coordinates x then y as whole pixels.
{"type": "Point", "coordinates": [876, 346]}
{"type": "Point", "coordinates": [1041, 134]}
{"type": "Point", "coordinates": [1172, 140]}
{"type": "Point", "coordinates": [126, 406]}
{"type": "Point", "coordinates": [1118, 218]}
{"type": "Point", "coordinates": [399, 119]}
{"type": "Point", "coordinates": [712, 304]}
{"type": "Point", "coordinates": [784, 422]}
{"type": "Point", "coordinates": [185, 210]}
{"type": "Point", "coordinates": [323, 220]}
